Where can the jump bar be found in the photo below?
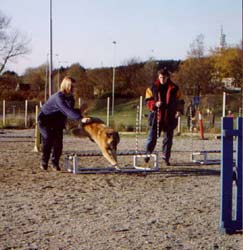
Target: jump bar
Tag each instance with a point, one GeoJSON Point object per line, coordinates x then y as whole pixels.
{"type": "Point", "coordinates": [98, 153]}
{"type": "Point", "coordinates": [74, 155]}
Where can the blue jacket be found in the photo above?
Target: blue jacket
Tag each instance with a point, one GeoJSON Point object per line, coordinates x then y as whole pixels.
{"type": "Point", "coordinates": [57, 109]}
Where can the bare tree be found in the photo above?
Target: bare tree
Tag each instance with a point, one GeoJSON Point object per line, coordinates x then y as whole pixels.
{"type": "Point", "coordinates": [199, 65]}
{"type": "Point", "coordinates": [197, 47]}
{"type": "Point", "coordinates": [195, 72]}
{"type": "Point", "coordinates": [12, 43]}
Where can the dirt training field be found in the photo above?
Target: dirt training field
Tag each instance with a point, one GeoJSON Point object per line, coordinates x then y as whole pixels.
{"type": "Point", "coordinates": [177, 208]}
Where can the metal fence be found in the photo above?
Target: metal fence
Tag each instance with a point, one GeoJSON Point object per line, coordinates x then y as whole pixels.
{"type": "Point", "coordinates": [19, 114]}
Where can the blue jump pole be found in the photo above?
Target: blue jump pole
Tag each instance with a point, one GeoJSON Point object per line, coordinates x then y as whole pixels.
{"type": "Point", "coordinates": [228, 222]}
{"type": "Point", "coordinates": [239, 209]}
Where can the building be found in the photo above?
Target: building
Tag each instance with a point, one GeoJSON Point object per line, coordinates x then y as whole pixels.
{"type": "Point", "coordinates": [222, 39]}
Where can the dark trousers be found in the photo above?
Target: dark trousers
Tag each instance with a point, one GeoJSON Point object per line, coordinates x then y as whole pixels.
{"type": "Point", "coordinates": [166, 143]}
{"type": "Point", "coordinates": [52, 144]}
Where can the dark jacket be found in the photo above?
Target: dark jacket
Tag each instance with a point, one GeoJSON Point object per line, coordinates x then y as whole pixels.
{"type": "Point", "coordinates": [170, 96]}
{"type": "Point", "coordinates": [57, 109]}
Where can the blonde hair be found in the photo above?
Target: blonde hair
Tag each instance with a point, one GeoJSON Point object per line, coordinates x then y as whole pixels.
{"type": "Point", "coordinates": [66, 84]}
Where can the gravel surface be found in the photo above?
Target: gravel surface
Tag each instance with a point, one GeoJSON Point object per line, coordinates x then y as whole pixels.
{"type": "Point", "coordinates": [176, 208]}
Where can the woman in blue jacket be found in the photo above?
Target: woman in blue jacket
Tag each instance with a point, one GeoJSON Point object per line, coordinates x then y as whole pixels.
{"type": "Point", "coordinates": [52, 118]}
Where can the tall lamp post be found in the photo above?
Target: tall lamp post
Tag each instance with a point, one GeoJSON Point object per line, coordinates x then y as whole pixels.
{"type": "Point", "coordinates": [50, 54]}
{"type": "Point", "coordinates": [113, 81]}
{"type": "Point", "coordinates": [47, 75]}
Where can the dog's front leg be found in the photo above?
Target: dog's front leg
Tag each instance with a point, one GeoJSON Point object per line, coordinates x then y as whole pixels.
{"type": "Point", "coordinates": [107, 153]}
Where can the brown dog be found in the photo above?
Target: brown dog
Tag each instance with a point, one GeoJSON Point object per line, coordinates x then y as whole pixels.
{"type": "Point", "coordinates": [106, 138]}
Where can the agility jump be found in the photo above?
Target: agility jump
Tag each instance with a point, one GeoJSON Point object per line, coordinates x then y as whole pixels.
{"type": "Point", "coordinates": [72, 158]}
{"type": "Point", "coordinates": [231, 178]}
{"type": "Point", "coordinates": [71, 163]}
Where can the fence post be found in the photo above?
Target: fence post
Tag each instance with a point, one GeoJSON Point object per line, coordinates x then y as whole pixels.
{"type": "Point", "coordinates": [26, 114]}
{"type": "Point", "coordinates": [140, 113]}
{"type": "Point", "coordinates": [37, 131]}
{"type": "Point", "coordinates": [4, 113]}
{"type": "Point", "coordinates": [229, 174]}
{"type": "Point", "coordinates": [108, 112]}
{"type": "Point", "coordinates": [179, 125]}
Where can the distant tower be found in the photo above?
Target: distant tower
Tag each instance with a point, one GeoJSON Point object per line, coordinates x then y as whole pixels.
{"type": "Point", "coordinates": [222, 39]}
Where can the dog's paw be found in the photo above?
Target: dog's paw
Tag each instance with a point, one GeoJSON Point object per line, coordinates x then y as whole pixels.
{"type": "Point", "coordinates": [116, 167]}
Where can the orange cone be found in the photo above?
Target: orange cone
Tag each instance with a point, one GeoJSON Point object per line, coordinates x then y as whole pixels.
{"type": "Point", "coordinates": [201, 125]}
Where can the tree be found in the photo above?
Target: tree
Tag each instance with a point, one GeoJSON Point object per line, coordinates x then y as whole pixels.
{"type": "Point", "coordinates": [127, 79]}
{"type": "Point", "coordinates": [101, 80]}
{"type": "Point", "coordinates": [8, 82]}
{"type": "Point", "coordinates": [227, 63]}
{"type": "Point", "coordinates": [36, 76]}
{"type": "Point", "coordinates": [197, 47]}
{"type": "Point", "coordinates": [83, 88]}
{"type": "Point", "coordinates": [12, 43]}
{"type": "Point", "coordinates": [195, 72]}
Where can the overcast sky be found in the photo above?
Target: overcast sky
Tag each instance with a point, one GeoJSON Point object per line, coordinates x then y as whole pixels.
{"type": "Point", "coordinates": [84, 30]}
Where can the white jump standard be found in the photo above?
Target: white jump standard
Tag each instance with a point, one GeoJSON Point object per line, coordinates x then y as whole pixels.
{"type": "Point", "coordinates": [71, 163]}
{"type": "Point", "coordinates": [201, 157]}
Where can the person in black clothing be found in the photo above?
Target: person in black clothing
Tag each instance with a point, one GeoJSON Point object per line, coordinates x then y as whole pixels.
{"type": "Point", "coordinates": [52, 119]}
{"type": "Point", "coordinates": [163, 99]}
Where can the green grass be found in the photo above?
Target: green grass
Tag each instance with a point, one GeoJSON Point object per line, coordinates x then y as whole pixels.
{"type": "Point", "coordinates": [125, 113]}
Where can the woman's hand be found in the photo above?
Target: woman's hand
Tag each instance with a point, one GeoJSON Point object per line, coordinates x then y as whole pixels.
{"type": "Point", "coordinates": [158, 104]}
{"type": "Point", "coordinates": [86, 120]}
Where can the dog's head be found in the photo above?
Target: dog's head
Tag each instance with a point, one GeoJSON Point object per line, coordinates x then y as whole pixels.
{"type": "Point", "coordinates": [113, 138]}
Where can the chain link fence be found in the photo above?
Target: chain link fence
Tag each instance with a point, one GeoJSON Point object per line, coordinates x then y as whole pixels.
{"type": "Point", "coordinates": [21, 114]}
{"type": "Point", "coordinates": [17, 114]}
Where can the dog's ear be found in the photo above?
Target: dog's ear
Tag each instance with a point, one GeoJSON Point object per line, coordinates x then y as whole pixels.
{"type": "Point", "coordinates": [114, 138]}
{"type": "Point", "coordinates": [109, 132]}
{"type": "Point", "coordinates": [117, 137]}
{"type": "Point", "coordinates": [114, 134]}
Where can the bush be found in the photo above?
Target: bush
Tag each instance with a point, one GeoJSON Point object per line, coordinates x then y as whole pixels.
{"type": "Point", "coordinates": [121, 127]}
{"type": "Point", "coordinates": [130, 128]}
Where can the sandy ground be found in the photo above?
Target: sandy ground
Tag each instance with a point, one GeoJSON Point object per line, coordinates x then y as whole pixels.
{"type": "Point", "coordinates": [177, 208]}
